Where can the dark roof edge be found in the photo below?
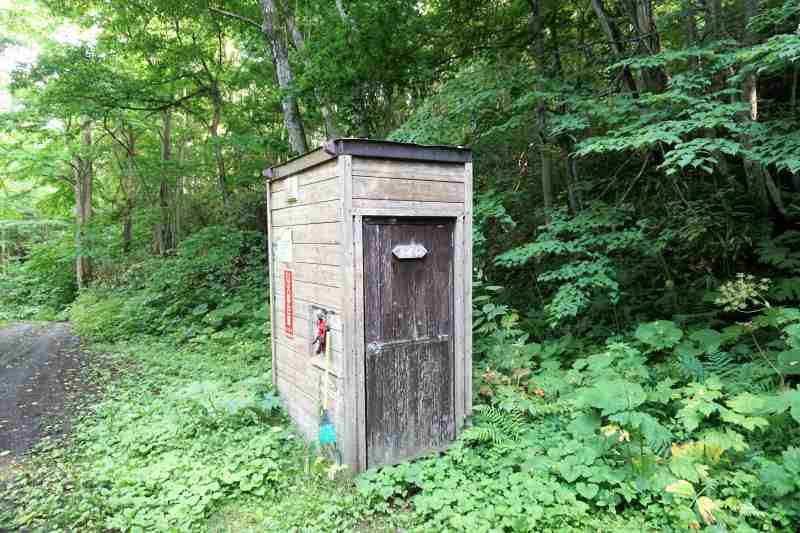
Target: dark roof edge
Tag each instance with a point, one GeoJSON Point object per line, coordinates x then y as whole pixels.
{"type": "Point", "coordinates": [397, 150]}
{"type": "Point", "coordinates": [369, 148]}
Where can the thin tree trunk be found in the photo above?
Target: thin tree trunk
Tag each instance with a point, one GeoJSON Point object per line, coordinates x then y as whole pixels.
{"type": "Point", "coordinates": [347, 19]}
{"type": "Point", "coordinates": [179, 196]}
{"type": "Point", "coordinates": [163, 231]}
{"type": "Point", "coordinates": [641, 15]}
{"type": "Point", "coordinates": [222, 178]}
{"type": "Point", "coordinates": [714, 21]}
{"type": "Point", "coordinates": [331, 129]}
{"type": "Point", "coordinates": [275, 32]}
{"type": "Point", "coordinates": [571, 171]}
{"type": "Point", "coordinates": [3, 253]}
{"type": "Point", "coordinates": [128, 189]}
{"type": "Point", "coordinates": [547, 177]}
{"type": "Point", "coordinates": [761, 185]}
{"type": "Point", "coordinates": [83, 205]}
{"type": "Point", "coordinates": [615, 42]}
{"type": "Point", "coordinates": [559, 67]}
{"type": "Point", "coordinates": [539, 52]}
{"type": "Point", "coordinates": [690, 23]}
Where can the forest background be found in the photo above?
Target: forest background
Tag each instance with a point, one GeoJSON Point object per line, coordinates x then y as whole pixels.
{"type": "Point", "coordinates": [637, 176]}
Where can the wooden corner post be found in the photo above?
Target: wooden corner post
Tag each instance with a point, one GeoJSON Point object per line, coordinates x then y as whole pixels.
{"type": "Point", "coordinates": [348, 412]}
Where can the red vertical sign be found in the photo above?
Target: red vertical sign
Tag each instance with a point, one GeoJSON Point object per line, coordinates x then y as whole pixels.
{"type": "Point", "coordinates": [288, 303]}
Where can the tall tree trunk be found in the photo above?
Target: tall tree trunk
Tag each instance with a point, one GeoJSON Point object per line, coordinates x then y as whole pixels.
{"type": "Point", "coordinates": [179, 195]}
{"type": "Point", "coordinates": [83, 205]}
{"type": "Point", "coordinates": [616, 43]}
{"type": "Point", "coordinates": [714, 20]}
{"type": "Point", "coordinates": [346, 18]}
{"type": "Point", "coordinates": [274, 29]}
{"type": "Point", "coordinates": [163, 231]}
{"type": "Point", "coordinates": [547, 176]}
{"type": "Point", "coordinates": [760, 183]}
{"type": "Point", "coordinates": [688, 13]}
{"type": "Point", "coordinates": [332, 130]}
{"type": "Point", "coordinates": [129, 190]}
{"type": "Point", "coordinates": [641, 15]}
{"type": "Point", "coordinates": [222, 177]}
{"type": "Point", "coordinates": [3, 251]}
{"type": "Point", "coordinates": [540, 56]}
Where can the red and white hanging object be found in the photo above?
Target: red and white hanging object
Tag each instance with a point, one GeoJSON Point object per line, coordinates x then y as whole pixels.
{"type": "Point", "coordinates": [288, 303]}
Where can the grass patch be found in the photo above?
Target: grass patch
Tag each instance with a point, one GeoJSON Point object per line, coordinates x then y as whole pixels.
{"type": "Point", "coordinates": [186, 439]}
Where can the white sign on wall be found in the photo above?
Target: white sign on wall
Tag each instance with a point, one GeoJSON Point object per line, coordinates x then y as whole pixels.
{"type": "Point", "coordinates": [284, 247]}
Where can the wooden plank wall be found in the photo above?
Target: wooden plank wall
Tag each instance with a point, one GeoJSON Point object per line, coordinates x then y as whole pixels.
{"type": "Point", "coordinates": [315, 221]}
{"type": "Point", "coordinates": [408, 185]}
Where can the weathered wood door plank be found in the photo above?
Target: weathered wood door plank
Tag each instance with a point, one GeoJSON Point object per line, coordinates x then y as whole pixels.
{"type": "Point", "coordinates": [409, 356]}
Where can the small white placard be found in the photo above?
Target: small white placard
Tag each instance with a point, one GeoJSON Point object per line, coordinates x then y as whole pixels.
{"type": "Point", "coordinates": [284, 247]}
{"type": "Point", "coordinates": [410, 251]}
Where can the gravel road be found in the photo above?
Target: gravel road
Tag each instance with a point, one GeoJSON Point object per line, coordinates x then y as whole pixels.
{"type": "Point", "coordinates": [40, 372]}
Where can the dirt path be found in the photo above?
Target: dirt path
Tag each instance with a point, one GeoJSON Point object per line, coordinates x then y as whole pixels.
{"type": "Point", "coordinates": [40, 371]}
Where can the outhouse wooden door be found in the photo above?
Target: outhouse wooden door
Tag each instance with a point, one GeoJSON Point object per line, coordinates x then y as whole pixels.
{"type": "Point", "coordinates": [408, 313]}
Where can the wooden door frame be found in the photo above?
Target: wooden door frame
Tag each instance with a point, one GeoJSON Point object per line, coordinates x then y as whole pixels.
{"type": "Point", "coordinates": [357, 394]}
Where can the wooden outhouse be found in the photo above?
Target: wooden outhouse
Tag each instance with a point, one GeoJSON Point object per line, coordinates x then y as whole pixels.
{"type": "Point", "coordinates": [376, 237]}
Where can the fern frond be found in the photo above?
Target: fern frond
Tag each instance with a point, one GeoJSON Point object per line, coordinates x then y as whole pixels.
{"type": "Point", "coordinates": [781, 251]}
{"type": "Point", "coordinates": [722, 364]}
{"type": "Point", "coordinates": [495, 426]}
{"type": "Point", "coordinates": [691, 368]}
{"type": "Point", "coordinates": [785, 289]}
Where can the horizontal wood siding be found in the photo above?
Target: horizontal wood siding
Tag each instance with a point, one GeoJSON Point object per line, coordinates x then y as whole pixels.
{"type": "Point", "coordinates": [418, 170]}
{"type": "Point", "coordinates": [310, 293]}
{"type": "Point", "coordinates": [329, 211]}
{"type": "Point", "coordinates": [315, 223]}
{"type": "Point", "coordinates": [324, 233]}
{"type": "Point", "coordinates": [302, 311]}
{"type": "Point", "coordinates": [407, 208]}
{"type": "Point", "coordinates": [310, 175]}
{"type": "Point", "coordinates": [312, 193]}
{"type": "Point", "coordinates": [407, 189]}
{"type": "Point", "coordinates": [330, 276]}
{"type": "Point", "coordinates": [318, 254]}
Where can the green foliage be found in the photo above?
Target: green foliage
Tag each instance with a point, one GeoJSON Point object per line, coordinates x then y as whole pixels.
{"type": "Point", "coordinates": [41, 285]}
{"type": "Point", "coordinates": [213, 286]}
{"type": "Point", "coordinates": [659, 335]}
{"type": "Point", "coordinates": [626, 378]}
{"type": "Point", "coordinates": [586, 249]}
{"type": "Point", "coordinates": [742, 293]}
{"type": "Point", "coordinates": [495, 426]}
{"type": "Point", "coordinates": [176, 439]}
{"type": "Point", "coordinates": [624, 428]}
{"type": "Point", "coordinates": [181, 436]}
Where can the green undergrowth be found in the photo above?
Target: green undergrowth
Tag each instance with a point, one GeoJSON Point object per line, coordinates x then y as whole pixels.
{"type": "Point", "coordinates": [184, 439]}
{"type": "Point", "coordinates": [624, 438]}
{"type": "Point", "coordinates": [668, 425]}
